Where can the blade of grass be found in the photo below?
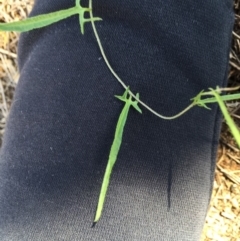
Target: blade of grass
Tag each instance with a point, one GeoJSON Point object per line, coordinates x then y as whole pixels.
{"type": "Point", "coordinates": [39, 21]}
{"type": "Point", "coordinates": [229, 120]}
{"type": "Point", "coordinates": [223, 98]}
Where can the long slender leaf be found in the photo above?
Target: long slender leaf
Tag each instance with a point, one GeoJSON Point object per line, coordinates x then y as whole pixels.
{"type": "Point", "coordinates": [229, 120]}
{"type": "Point", "coordinates": [223, 97]}
{"type": "Point", "coordinates": [39, 21]}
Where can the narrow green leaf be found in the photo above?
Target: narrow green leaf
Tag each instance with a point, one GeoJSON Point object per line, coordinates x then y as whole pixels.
{"type": "Point", "coordinates": [114, 150]}
{"type": "Point", "coordinates": [223, 97]}
{"type": "Point", "coordinates": [39, 21]}
{"type": "Point", "coordinates": [229, 120]}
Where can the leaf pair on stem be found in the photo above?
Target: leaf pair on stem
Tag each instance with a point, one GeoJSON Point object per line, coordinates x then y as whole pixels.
{"type": "Point", "coordinates": [44, 20]}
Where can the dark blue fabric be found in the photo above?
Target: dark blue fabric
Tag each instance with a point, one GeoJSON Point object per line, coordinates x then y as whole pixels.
{"type": "Point", "coordinates": [63, 118]}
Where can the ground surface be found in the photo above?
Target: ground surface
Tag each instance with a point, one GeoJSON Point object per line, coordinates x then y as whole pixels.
{"type": "Point", "coordinates": [223, 219]}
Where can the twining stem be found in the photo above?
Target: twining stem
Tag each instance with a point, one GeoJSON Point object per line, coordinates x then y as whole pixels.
{"type": "Point", "coordinates": [209, 100]}
{"type": "Point", "coordinates": [50, 18]}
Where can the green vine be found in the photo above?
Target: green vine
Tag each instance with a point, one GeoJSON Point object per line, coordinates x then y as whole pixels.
{"type": "Point", "coordinates": [201, 100]}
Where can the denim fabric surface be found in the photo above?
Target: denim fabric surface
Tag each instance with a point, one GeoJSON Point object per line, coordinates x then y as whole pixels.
{"type": "Point", "coordinates": [64, 113]}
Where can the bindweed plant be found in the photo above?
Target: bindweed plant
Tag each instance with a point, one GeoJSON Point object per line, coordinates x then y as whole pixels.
{"type": "Point", "coordinates": [50, 18]}
{"type": "Point", "coordinates": [202, 99]}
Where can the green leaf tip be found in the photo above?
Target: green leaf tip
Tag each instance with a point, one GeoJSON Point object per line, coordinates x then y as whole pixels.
{"type": "Point", "coordinates": [124, 96]}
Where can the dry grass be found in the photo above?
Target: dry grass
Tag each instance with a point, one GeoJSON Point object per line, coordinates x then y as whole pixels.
{"type": "Point", "coordinates": [223, 219]}
{"type": "Point", "coordinates": [9, 10]}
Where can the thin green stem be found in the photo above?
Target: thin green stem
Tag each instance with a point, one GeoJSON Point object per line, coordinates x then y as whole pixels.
{"type": "Point", "coordinates": [204, 101]}
{"type": "Point", "coordinates": [77, 3]}
{"type": "Point", "coordinates": [121, 81]}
